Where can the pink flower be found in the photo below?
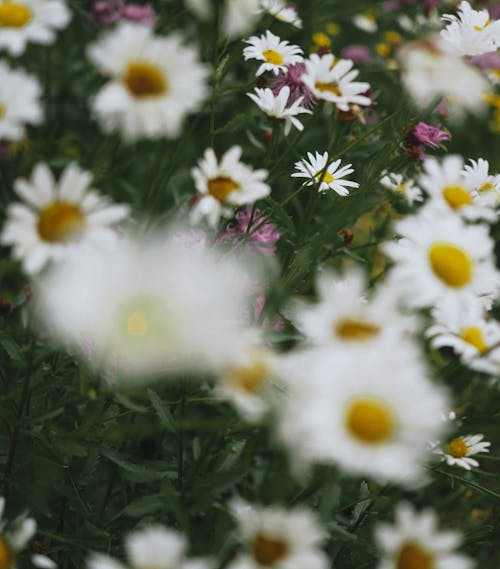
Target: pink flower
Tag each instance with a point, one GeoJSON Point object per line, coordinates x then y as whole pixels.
{"type": "Point", "coordinates": [107, 12]}
{"type": "Point", "coordinates": [357, 53]}
{"type": "Point", "coordinates": [292, 78]}
{"type": "Point", "coordinates": [141, 14]}
{"type": "Point", "coordinates": [423, 135]}
{"type": "Point", "coordinates": [254, 233]}
{"type": "Point", "coordinates": [486, 61]}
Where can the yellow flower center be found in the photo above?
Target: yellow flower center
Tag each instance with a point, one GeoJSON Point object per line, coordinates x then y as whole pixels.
{"type": "Point", "coordinates": [486, 187]}
{"type": "Point", "coordinates": [321, 39]}
{"type": "Point", "coordinates": [474, 335]}
{"type": "Point", "coordinates": [456, 196]}
{"type": "Point", "coordinates": [325, 177]}
{"type": "Point", "coordinates": [355, 330]}
{"type": "Point", "coordinates": [328, 87]}
{"type": "Point", "coordinates": [221, 187]}
{"type": "Point", "coordinates": [411, 556]}
{"type": "Point", "coordinates": [14, 15]}
{"type": "Point", "coordinates": [457, 448]}
{"type": "Point", "coordinates": [7, 557]}
{"type": "Point", "coordinates": [401, 188]}
{"type": "Point", "coordinates": [137, 324]}
{"type": "Point", "coordinates": [273, 56]}
{"type": "Point", "coordinates": [370, 420]}
{"type": "Point", "coordinates": [61, 222]}
{"type": "Point", "coordinates": [267, 550]}
{"type": "Point", "coordinates": [248, 378]}
{"type": "Point", "coordinates": [144, 79]}
{"type": "Point", "coordinates": [451, 264]}
{"type": "Point", "coordinates": [481, 28]}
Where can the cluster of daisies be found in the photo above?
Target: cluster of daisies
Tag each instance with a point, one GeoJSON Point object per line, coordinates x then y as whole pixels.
{"type": "Point", "coordinates": [354, 392]}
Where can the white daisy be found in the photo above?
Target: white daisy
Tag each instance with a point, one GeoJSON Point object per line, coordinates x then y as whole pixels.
{"type": "Point", "coordinates": [275, 54]}
{"type": "Point", "coordinates": [319, 171]}
{"type": "Point", "coordinates": [369, 409]}
{"type": "Point", "coordinates": [14, 537]}
{"type": "Point", "coordinates": [225, 184]}
{"type": "Point", "coordinates": [415, 541]}
{"type": "Point", "coordinates": [469, 333]}
{"type": "Point", "coordinates": [155, 81]}
{"type": "Point", "coordinates": [440, 257]}
{"type": "Point", "coordinates": [24, 21]}
{"type": "Point", "coordinates": [240, 17]}
{"type": "Point", "coordinates": [154, 546]}
{"type": "Point", "coordinates": [399, 184]}
{"type": "Point", "coordinates": [278, 538]}
{"type": "Point", "coordinates": [472, 32]}
{"type": "Point", "coordinates": [282, 10]}
{"type": "Point", "coordinates": [19, 102]}
{"type": "Point", "coordinates": [275, 106]}
{"type": "Point", "coordinates": [450, 190]}
{"type": "Point", "coordinates": [149, 308]}
{"type": "Point", "coordinates": [332, 80]}
{"type": "Point", "coordinates": [487, 186]}
{"type": "Point", "coordinates": [459, 450]}
{"type": "Point", "coordinates": [57, 219]}
{"type": "Point", "coordinates": [428, 71]}
{"type": "Point", "coordinates": [250, 379]}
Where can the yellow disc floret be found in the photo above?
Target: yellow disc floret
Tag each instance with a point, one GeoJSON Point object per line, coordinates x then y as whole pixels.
{"type": "Point", "coordinates": [61, 222]}
{"type": "Point", "coordinates": [144, 79]}
{"type": "Point", "coordinates": [355, 330]}
{"type": "Point", "coordinates": [474, 336]}
{"type": "Point", "coordinates": [451, 264]}
{"type": "Point", "coordinates": [268, 550]}
{"type": "Point", "coordinates": [456, 196]}
{"type": "Point", "coordinates": [412, 556]}
{"type": "Point", "coordinates": [221, 187]}
{"type": "Point", "coordinates": [457, 448]}
{"type": "Point", "coordinates": [7, 557]}
{"type": "Point", "coordinates": [14, 15]}
{"type": "Point", "coordinates": [370, 420]}
{"type": "Point", "coordinates": [273, 56]}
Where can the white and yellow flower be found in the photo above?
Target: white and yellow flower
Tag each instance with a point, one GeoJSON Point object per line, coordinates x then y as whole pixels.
{"type": "Point", "coordinates": [58, 219]}
{"type": "Point", "coordinates": [458, 451]}
{"type": "Point", "coordinates": [325, 174]}
{"type": "Point", "coordinates": [282, 10]}
{"type": "Point", "coordinates": [399, 184]}
{"type": "Point", "coordinates": [275, 106]}
{"type": "Point", "coordinates": [450, 190]}
{"type": "Point", "coordinates": [467, 330]}
{"type": "Point", "coordinates": [366, 22]}
{"type": "Point", "coordinates": [278, 538]}
{"type": "Point", "coordinates": [346, 316]}
{"type": "Point", "coordinates": [155, 82]}
{"type": "Point", "coordinates": [369, 409]}
{"type": "Point", "coordinates": [153, 546]}
{"type": "Point", "coordinates": [472, 32]}
{"type": "Point", "coordinates": [20, 103]}
{"type": "Point", "coordinates": [487, 186]}
{"type": "Point", "coordinates": [416, 542]}
{"type": "Point", "coordinates": [332, 80]}
{"type": "Point", "coordinates": [150, 308]}
{"type": "Point", "coordinates": [25, 21]}
{"type": "Point", "coordinates": [275, 54]}
{"type": "Point", "coordinates": [225, 184]}
{"type": "Point", "coordinates": [440, 257]}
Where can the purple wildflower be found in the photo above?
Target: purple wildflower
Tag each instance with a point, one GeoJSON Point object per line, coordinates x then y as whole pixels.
{"type": "Point", "coordinates": [141, 14]}
{"type": "Point", "coordinates": [423, 135]}
{"type": "Point", "coordinates": [293, 79]}
{"type": "Point", "coordinates": [107, 12]}
{"type": "Point", "coordinates": [357, 53]}
{"type": "Point", "coordinates": [256, 235]}
{"type": "Point", "coordinates": [486, 61]}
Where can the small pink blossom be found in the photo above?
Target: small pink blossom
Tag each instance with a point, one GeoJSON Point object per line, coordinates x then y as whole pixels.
{"type": "Point", "coordinates": [107, 12]}
{"type": "Point", "coordinates": [486, 61]}
{"type": "Point", "coordinates": [423, 135]}
{"type": "Point", "coordinates": [256, 235]}
{"type": "Point", "coordinates": [357, 53]}
{"type": "Point", "coordinates": [292, 78]}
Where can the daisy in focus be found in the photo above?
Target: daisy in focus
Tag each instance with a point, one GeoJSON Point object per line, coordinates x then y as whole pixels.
{"type": "Point", "coordinates": [152, 546]}
{"type": "Point", "coordinates": [278, 538]}
{"type": "Point", "coordinates": [20, 102]}
{"type": "Point", "coordinates": [344, 316]}
{"type": "Point", "coordinates": [276, 106]}
{"type": "Point", "coordinates": [476, 174]}
{"type": "Point", "coordinates": [333, 81]}
{"type": "Point", "coordinates": [282, 10]}
{"type": "Point", "coordinates": [150, 308]}
{"type": "Point", "coordinates": [370, 409]}
{"type": "Point", "coordinates": [397, 183]}
{"type": "Point", "coordinates": [472, 32]}
{"type": "Point", "coordinates": [458, 452]}
{"type": "Point", "coordinates": [449, 189]}
{"type": "Point", "coordinates": [58, 219]}
{"type": "Point", "coordinates": [154, 83]}
{"type": "Point", "coordinates": [25, 21]}
{"type": "Point", "coordinates": [326, 175]}
{"type": "Point", "coordinates": [414, 541]}
{"type": "Point", "coordinates": [14, 537]}
{"type": "Point", "coordinates": [275, 54]}
{"type": "Point", "coordinates": [467, 330]}
{"type": "Point", "coordinates": [225, 184]}
{"type": "Point", "coordinates": [439, 257]}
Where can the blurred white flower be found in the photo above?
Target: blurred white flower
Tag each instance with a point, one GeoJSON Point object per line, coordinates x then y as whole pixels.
{"type": "Point", "coordinates": [34, 21]}
{"type": "Point", "coordinates": [238, 16]}
{"type": "Point", "coordinates": [155, 81]}
{"type": "Point", "coordinates": [366, 22]}
{"type": "Point", "coordinates": [282, 10]}
{"type": "Point", "coordinates": [58, 219]}
{"type": "Point", "coordinates": [399, 184]}
{"type": "Point", "coordinates": [487, 185]}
